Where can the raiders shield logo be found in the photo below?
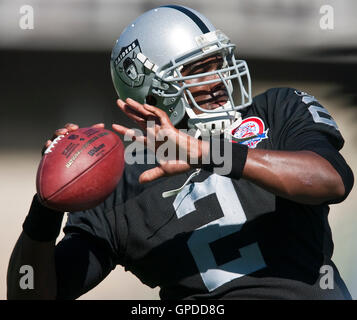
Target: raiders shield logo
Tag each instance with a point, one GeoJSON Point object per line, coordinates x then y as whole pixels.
{"type": "Point", "coordinates": [129, 68]}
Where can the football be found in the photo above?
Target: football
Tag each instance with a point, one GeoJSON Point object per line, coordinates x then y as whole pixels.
{"type": "Point", "coordinates": [79, 170]}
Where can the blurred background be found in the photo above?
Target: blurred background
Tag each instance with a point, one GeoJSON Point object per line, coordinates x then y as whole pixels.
{"type": "Point", "coordinates": [58, 72]}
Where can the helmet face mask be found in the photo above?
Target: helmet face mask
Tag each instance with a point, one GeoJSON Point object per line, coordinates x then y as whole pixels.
{"type": "Point", "coordinates": [231, 70]}
{"type": "Point", "coordinates": [165, 81]}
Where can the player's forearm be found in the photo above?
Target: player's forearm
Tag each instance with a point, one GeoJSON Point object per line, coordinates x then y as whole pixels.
{"type": "Point", "coordinates": [31, 272]}
{"type": "Point", "coordinates": [34, 253]}
{"type": "Point", "coordinates": [300, 176]}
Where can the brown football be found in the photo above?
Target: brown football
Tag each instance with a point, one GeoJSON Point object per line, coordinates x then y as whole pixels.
{"type": "Point", "coordinates": [80, 170]}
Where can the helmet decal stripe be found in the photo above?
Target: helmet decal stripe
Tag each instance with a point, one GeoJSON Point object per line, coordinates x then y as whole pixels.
{"type": "Point", "coordinates": [191, 15]}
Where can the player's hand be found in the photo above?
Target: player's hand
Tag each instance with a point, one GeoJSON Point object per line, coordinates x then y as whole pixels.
{"type": "Point", "coordinates": [188, 149]}
{"type": "Point", "coordinates": [69, 127]}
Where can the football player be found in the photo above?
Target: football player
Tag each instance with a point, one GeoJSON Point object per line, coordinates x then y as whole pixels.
{"type": "Point", "coordinates": [258, 231]}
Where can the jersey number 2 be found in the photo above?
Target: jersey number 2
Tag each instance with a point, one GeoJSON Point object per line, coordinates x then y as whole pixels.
{"type": "Point", "coordinates": [315, 112]}
{"type": "Point", "coordinates": [250, 259]}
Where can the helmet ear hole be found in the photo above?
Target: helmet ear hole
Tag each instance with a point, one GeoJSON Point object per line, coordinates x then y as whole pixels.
{"type": "Point", "coordinates": [151, 100]}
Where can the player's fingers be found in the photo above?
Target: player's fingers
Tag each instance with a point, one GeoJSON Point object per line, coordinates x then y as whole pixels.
{"type": "Point", "coordinates": [98, 125]}
{"type": "Point", "coordinates": [137, 117]}
{"type": "Point", "coordinates": [134, 115]}
{"type": "Point", "coordinates": [151, 174]}
{"type": "Point", "coordinates": [59, 132]}
{"type": "Point", "coordinates": [47, 144]}
{"type": "Point", "coordinates": [138, 107]}
{"type": "Point", "coordinates": [130, 134]}
{"type": "Point", "coordinates": [162, 115]}
{"type": "Point", "coordinates": [121, 129]}
{"type": "Point", "coordinates": [71, 126]}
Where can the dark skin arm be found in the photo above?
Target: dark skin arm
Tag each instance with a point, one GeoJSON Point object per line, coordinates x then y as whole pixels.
{"type": "Point", "coordinates": [300, 176]}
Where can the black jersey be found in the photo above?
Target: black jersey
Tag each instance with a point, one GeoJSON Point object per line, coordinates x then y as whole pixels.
{"type": "Point", "coordinates": [219, 237]}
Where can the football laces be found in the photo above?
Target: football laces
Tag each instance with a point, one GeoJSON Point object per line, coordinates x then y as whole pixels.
{"type": "Point", "coordinates": [52, 145]}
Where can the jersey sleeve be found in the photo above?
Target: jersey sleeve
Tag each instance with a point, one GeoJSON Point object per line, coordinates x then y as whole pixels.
{"type": "Point", "coordinates": [293, 113]}
{"type": "Point", "coordinates": [300, 122]}
{"type": "Point", "coordinates": [296, 122]}
{"type": "Point", "coordinates": [319, 143]}
{"type": "Point", "coordinates": [82, 262]}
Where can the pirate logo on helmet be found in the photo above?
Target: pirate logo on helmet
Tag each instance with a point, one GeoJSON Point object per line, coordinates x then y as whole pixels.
{"type": "Point", "coordinates": [129, 68]}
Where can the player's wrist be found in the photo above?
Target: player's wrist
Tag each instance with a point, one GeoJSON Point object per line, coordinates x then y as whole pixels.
{"type": "Point", "coordinates": [239, 159]}
{"type": "Point", "coordinates": [199, 152]}
{"type": "Point", "coordinates": [42, 224]}
{"type": "Point", "coordinates": [205, 151]}
{"type": "Point", "coordinates": [218, 150]}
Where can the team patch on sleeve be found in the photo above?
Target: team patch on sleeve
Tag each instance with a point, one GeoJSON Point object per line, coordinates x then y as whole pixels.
{"type": "Point", "coordinates": [250, 132]}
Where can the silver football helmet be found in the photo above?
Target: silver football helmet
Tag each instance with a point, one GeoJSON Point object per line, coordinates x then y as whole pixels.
{"type": "Point", "coordinates": [149, 55]}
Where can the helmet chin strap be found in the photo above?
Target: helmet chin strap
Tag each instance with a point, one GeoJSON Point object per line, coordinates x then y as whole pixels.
{"type": "Point", "coordinates": [209, 124]}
